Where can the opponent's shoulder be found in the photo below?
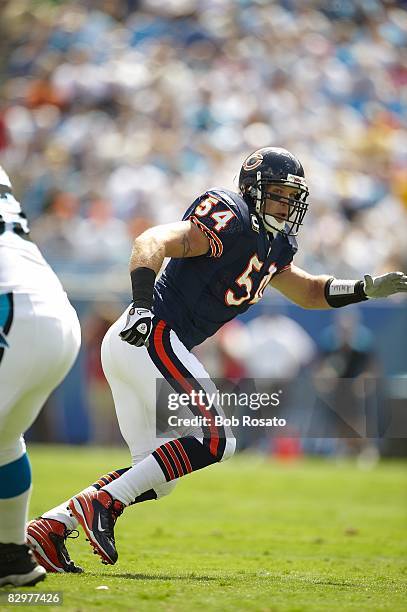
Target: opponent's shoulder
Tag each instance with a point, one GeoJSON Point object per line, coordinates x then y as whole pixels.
{"type": "Point", "coordinates": [4, 179]}
{"type": "Point", "coordinates": [6, 190]}
{"type": "Point", "coordinates": [11, 216]}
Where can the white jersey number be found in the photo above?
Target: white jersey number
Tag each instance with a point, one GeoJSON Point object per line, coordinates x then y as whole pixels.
{"type": "Point", "coordinates": [222, 217]}
{"type": "Point", "coordinates": [245, 281]}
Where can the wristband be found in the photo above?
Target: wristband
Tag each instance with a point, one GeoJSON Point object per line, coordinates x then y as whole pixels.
{"type": "Point", "coordinates": [340, 293]}
{"type": "Point", "coordinates": [142, 284]}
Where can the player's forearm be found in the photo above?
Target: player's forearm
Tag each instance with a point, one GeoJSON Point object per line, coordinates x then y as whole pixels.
{"type": "Point", "coordinates": [302, 288]}
{"type": "Point", "coordinates": [315, 297]}
{"type": "Point", "coordinates": [146, 259]}
{"type": "Point", "coordinates": [148, 252]}
{"type": "Point", "coordinates": [320, 292]}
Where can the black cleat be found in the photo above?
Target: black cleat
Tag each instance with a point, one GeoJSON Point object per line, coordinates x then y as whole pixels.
{"type": "Point", "coordinates": [97, 513]}
{"type": "Point", "coordinates": [18, 566]}
{"type": "Point", "coordinates": [47, 538]}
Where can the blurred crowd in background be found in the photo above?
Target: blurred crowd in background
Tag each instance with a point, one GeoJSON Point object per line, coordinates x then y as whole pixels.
{"type": "Point", "coordinates": [116, 114]}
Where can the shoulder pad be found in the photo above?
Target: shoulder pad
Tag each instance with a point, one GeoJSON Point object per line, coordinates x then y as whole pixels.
{"type": "Point", "coordinates": [234, 201]}
{"type": "Point", "coordinates": [226, 196]}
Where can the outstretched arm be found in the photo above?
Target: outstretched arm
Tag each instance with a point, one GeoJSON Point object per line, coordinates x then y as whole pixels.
{"type": "Point", "coordinates": [320, 292]}
{"type": "Point", "coordinates": [302, 288]}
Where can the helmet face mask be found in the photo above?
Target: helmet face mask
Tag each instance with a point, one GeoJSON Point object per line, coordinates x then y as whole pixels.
{"type": "Point", "coordinates": [276, 167]}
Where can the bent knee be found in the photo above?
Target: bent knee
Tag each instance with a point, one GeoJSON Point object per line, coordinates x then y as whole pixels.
{"type": "Point", "coordinates": [11, 449]}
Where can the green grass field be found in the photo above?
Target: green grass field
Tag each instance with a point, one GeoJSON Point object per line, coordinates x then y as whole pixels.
{"type": "Point", "coordinates": [251, 534]}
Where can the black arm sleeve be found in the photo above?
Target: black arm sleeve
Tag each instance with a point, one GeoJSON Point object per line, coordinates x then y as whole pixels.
{"type": "Point", "coordinates": [340, 293]}
{"type": "Point", "coordinates": [142, 283]}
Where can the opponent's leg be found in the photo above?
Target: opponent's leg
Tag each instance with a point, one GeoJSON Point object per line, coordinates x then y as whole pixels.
{"type": "Point", "coordinates": [15, 478]}
{"type": "Point", "coordinates": [26, 380]}
{"type": "Point", "coordinates": [17, 565]}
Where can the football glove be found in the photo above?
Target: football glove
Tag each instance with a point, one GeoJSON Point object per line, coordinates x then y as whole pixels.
{"type": "Point", "coordinates": [385, 285]}
{"type": "Point", "coordinates": [138, 326]}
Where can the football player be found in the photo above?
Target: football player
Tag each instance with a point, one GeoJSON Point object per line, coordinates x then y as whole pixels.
{"type": "Point", "coordinates": [224, 253]}
{"type": "Point", "coordinates": [39, 341]}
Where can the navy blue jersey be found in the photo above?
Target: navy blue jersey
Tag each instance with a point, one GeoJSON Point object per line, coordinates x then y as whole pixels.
{"type": "Point", "coordinates": [197, 295]}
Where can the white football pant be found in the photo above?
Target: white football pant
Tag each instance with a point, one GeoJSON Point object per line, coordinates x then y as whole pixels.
{"type": "Point", "coordinates": [39, 350]}
{"type": "Point", "coordinates": [132, 377]}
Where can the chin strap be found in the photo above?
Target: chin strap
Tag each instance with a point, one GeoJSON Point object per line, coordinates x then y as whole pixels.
{"type": "Point", "coordinates": [275, 227]}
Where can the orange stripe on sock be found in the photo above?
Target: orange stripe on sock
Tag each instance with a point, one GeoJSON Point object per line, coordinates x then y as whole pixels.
{"type": "Point", "coordinates": [166, 462]}
{"type": "Point", "coordinates": [184, 455]}
{"type": "Point", "coordinates": [175, 458]}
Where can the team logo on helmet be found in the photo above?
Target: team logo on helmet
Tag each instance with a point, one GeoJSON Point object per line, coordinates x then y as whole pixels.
{"type": "Point", "coordinates": [253, 161]}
